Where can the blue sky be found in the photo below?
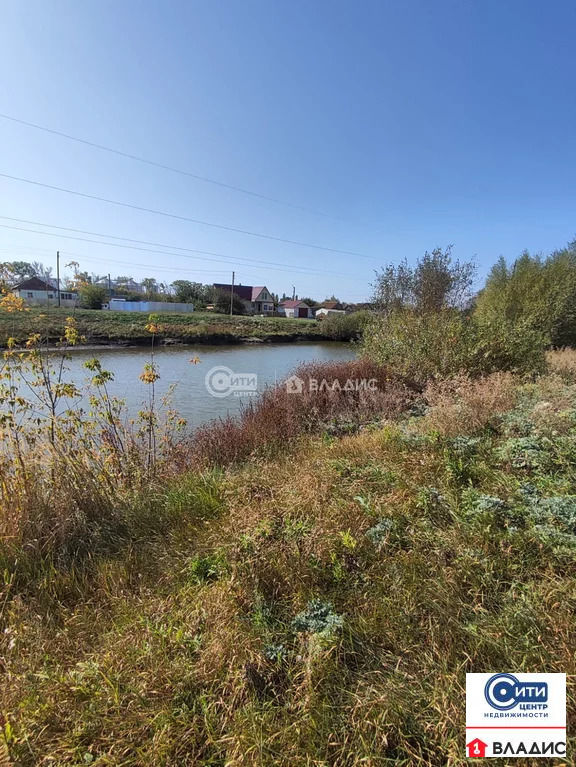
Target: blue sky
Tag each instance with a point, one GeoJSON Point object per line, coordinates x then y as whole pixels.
{"type": "Point", "coordinates": [409, 124]}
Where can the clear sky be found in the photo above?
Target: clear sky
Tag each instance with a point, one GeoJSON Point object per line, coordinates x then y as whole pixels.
{"type": "Point", "coordinates": [408, 123]}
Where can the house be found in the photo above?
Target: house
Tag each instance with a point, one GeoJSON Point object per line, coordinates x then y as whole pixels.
{"type": "Point", "coordinates": [42, 292]}
{"type": "Point", "coordinates": [329, 307]}
{"type": "Point", "coordinates": [258, 300]}
{"type": "Point", "coordinates": [296, 309]}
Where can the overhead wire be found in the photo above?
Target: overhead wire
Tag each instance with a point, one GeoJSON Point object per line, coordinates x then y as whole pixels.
{"type": "Point", "coordinates": [273, 267]}
{"type": "Point", "coordinates": [163, 166]}
{"type": "Point", "coordinates": [178, 217]}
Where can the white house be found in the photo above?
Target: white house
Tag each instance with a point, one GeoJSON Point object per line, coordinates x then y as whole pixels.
{"type": "Point", "coordinates": [37, 291]}
{"type": "Point", "coordinates": [261, 300]}
{"type": "Point", "coordinates": [329, 307]}
{"type": "Point", "coordinates": [295, 309]}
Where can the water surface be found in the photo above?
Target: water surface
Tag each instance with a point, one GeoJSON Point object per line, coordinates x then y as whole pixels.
{"type": "Point", "coordinates": [270, 363]}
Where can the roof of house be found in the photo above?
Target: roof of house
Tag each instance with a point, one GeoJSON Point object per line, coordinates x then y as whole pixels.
{"type": "Point", "coordinates": [245, 292]}
{"type": "Point", "coordinates": [242, 291]}
{"type": "Point", "coordinates": [331, 305]}
{"type": "Point", "coordinates": [34, 283]}
{"type": "Point", "coordinates": [256, 291]}
{"type": "Point", "coordinates": [292, 304]}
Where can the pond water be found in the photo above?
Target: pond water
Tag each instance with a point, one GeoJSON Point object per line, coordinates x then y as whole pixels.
{"type": "Point", "coordinates": [252, 366]}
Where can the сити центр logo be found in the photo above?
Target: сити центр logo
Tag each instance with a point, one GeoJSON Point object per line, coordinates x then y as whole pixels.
{"type": "Point", "coordinates": [222, 382]}
{"type": "Point", "coordinates": [505, 691]}
{"type": "Point", "coordinates": [515, 715]}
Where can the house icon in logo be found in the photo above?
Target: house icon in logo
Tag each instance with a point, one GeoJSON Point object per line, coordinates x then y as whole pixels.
{"type": "Point", "coordinates": [294, 385]}
{"type": "Point", "coordinates": [476, 747]}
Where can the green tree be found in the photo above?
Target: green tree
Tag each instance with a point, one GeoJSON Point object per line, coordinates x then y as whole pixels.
{"type": "Point", "coordinates": [222, 303]}
{"type": "Point", "coordinates": [150, 286]}
{"type": "Point", "coordinates": [186, 291]}
{"type": "Point", "coordinates": [18, 271]}
{"type": "Point", "coordinates": [539, 292]}
{"type": "Point", "coordinates": [424, 330]}
{"type": "Point", "coordinates": [436, 282]}
{"type": "Point", "coordinates": [92, 296]}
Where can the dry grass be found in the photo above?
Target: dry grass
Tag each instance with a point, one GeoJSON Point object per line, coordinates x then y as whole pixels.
{"type": "Point", "coordinates": [465, 406]}
{"type": "Point", "coordinates": [181, 648]}
{"type": "Point", "coordinates": [563, 362]}
{"type": "Point", "coordinates": [157, 664]}
{"type": "Point", "coordinates": [280, 416]}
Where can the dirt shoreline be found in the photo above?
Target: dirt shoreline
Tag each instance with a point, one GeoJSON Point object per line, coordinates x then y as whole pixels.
{"type": "Point", "coordinates": [138, 343]}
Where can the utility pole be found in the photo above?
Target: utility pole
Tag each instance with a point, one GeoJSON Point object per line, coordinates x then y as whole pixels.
{"type": "Point", "coordinates": [109, 288]}
{"type": "Point", "coordinates": [293, 292]}
{"type": "Point", "coordinates": [58, 276]}
{"type": "Point", "coordinates": [232, 295]}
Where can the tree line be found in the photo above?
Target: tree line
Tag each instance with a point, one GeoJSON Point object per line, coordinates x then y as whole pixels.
{"type": "Point", "coordinates": [430, 322]}
{"type": "Point", "coordinates": [94, 289]}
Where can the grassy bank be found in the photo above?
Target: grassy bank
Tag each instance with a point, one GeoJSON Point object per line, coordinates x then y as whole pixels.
{"type": "Point", "coordinates": [317, 603]}
{"type": "Point", "coordinates": [104, 327]}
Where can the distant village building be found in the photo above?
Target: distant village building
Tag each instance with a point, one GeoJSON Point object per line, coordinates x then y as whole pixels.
{"type": "Point", "coordinates": [329, 307]}
{"type": "Point", "coordinates": [257, 300]}
{"type": "Point", "coordinates": [38, 292]}
{"type": "Point", "coordinates": [295, 309]}
{"type": "Point", "coordinates": [122, 305]}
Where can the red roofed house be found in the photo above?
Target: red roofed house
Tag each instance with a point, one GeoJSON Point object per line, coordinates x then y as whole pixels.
{"type": "Point", "coordinates": [295, 308]}
{"type": "Point", "coordinates": [257, 300]}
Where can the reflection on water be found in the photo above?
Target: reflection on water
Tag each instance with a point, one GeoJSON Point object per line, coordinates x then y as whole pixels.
{"type": "Point", "coordinates": [269, 362]}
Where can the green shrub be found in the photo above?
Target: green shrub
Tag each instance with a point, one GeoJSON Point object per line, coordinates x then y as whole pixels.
{"type": "Point", "coordinates": [539, 292]}
{"type": "Point", "coordinates": [381, 531]}
{"type": "Point", "coordinates": [500, 345]}
{"type": "Point", "coordinates": [419, 346]}
{"type": "Point", "coordinates": [345, 327]}
{"type": "Point", "coordinates": [92, 296]}
{"type": "Point", "coordinates": [444, 344]}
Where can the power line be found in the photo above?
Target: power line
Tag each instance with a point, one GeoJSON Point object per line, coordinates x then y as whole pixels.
{"type": "Point", "coordinates": [154, 244]}
{"type": "Point", "coordinates": [164, 167]}
{"type": "Point", "coordinates": [222, 258]}
{"type": "Point", "coordinates": [19, 250]}
{"type": "Point", "coordinates": [183, 218]}
{"type": "Point", "coordinates": [145, 266]}
{"type": "Point", "coordinates": [166, 253]}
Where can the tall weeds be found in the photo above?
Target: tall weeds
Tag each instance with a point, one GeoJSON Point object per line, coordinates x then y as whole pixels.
{"type": "Point", "coordinates": [72, 461]}
{"type": "Point", "coordinates": [280, 415]}
{"type": "Point", "coordinates": [79, 477]}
